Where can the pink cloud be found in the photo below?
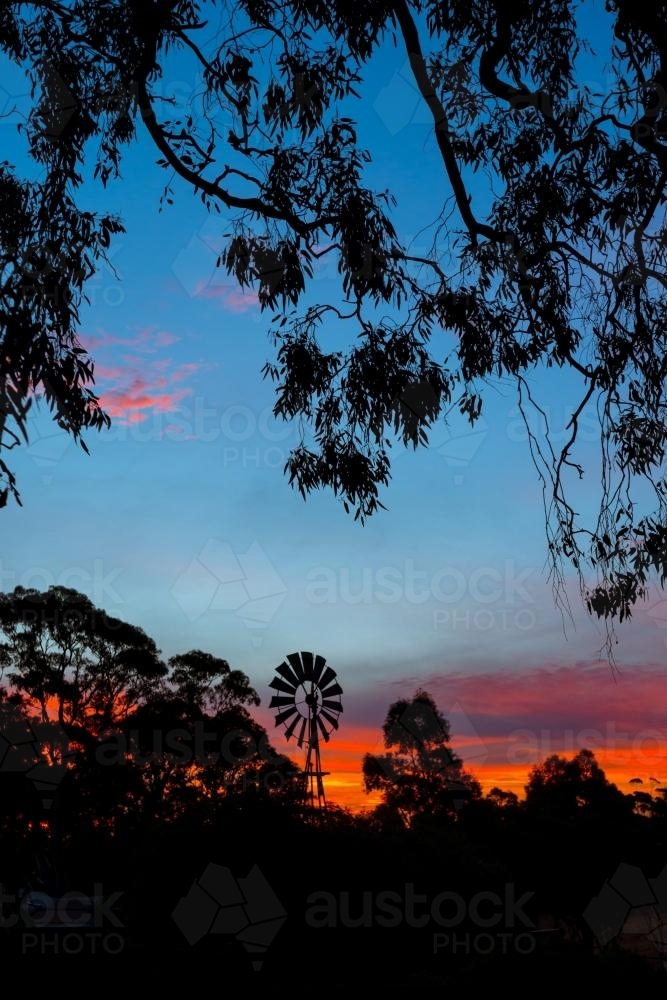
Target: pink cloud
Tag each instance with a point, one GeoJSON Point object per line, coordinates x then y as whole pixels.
{"type": "Point", "coordinates": [147, 340]}
{"type": "Point", "coordinates": [239, 301]}
{"type": "Point", "coordinates": [164, 339]}
{"type": "Point", "coordinates": [503, 723]}
{"type": "Point", "coordinates": [513, 719]}
{"type": "Point", "coordinates": [179, 432]}
{"type": "Point", "coordinates": [137, 403]}
{"type": "Point", "coordinates": [137, 383]}
{"type": "Point", "coordinates": [185, 371]}
{"type": "Point", "coordinates": [109, 373]}
{"type": "Point", "coordinates": [135, 417]}
{"type": "Point", "coordinates": [233, 298]}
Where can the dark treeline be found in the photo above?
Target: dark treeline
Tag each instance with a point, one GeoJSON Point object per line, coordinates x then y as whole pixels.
{"type": "Point", "coordinates": [124, 778]}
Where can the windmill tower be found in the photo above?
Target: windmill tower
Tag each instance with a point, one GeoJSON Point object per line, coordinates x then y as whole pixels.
{"type": "Point", "coordinates": [308, 706]}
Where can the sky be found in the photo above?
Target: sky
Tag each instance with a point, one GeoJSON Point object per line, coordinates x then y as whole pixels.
{"type": "Point", "coordinates": [181, 519]}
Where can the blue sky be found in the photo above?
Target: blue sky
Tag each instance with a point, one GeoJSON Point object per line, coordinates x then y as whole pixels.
{"type": "Point", "coordinates": [181, 520]}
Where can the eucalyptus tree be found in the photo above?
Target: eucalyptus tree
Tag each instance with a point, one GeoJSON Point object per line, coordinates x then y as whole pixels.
{"type": "Point", "coordinates": [560, 268]}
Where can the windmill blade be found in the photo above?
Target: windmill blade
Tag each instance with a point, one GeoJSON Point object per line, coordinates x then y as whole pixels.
{"type": "Point", "coordinates": [323, 729]}
{"type": "Point", "coordinates": [300, 739]}
{"type": "Point", "coordinates": [320, 664]}
{"type": "Point", "coordinates": [334, 689]}
{"type": "Point", "coordinates": [290, 676]}
{"type": "Point", "coordinates": [327, 677]}
{"type": "Point", "coordinates": [289, 732]}
{"type": "Point", "coordinates": [279, 700]}
{"type": "Point", "coordinates": [297, 666]}
{"type": "Point", "coordinates": [333, 706]}
{"type": "Point", "coordinates": [307, 660]}
{"type": "Point", "coordinates": [279, 685]}
{"type": "Point", "coordinates": [288, 713]}
{"type": "Point", "coordinates": [331, 719]}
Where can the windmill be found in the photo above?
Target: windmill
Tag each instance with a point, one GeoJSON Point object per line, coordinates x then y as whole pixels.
{"type": "Point", "coordinates": [308, 704]}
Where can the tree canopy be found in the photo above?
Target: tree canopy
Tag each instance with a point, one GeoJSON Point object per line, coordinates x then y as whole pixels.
{"type": "Point", "coordinates": [420, 776]}
{"type": "Point", "coordinates": [73, 660]}
{"type": "Point", "coordinates": [559, 788]}
{"type": "Point", "coordinates": [561, 266]}
{"type": "Point", "coordinates": [80, 666]}
{"type": "Point", "coordinates": [91, 694]}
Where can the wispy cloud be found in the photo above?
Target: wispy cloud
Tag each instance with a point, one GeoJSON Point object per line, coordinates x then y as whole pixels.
{"type": "Point", "coordinates": [511, 719]}
{"type": "Point", "coordinates": [231, 297]}
{"type": "Point", "coordinates": [147, 340]}
{"type": "Point", "coordinates": [134, 379]}
{"type": "Point", "coordinates": [134, 402]}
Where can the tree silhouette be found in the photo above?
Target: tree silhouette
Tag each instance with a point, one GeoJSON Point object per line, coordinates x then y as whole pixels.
{"type": "Point", "coordinates": [563, 267]}
{"type": "Point", "coordinates": [562, 788]}
{"type": "Point", "coordinates": [420, 776]}
{"type": "Point", "coordinates": [72, 660]}
{"type": "Point", "coordinates": [208, 682]}
{"type": "Point", "coordinates": [503, 799]}
{"type": "Point", "coordinates": [138, 744]}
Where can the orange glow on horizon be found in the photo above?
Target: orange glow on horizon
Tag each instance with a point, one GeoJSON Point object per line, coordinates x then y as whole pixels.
{"type": "Point", "coordinates": [504, 723]}
{"type": "Point", "coordinates": [344, 784]}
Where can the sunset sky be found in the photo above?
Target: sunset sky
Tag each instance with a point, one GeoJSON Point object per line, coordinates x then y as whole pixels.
{"type": "Point", "coordinates": [181, 520]}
